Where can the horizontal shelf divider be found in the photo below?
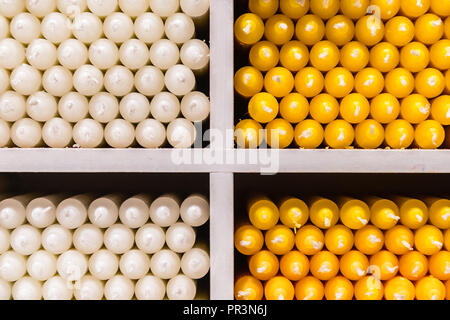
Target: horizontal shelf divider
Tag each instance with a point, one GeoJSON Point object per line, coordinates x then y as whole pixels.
{"type": "Point", "coordinates": [268, 161]}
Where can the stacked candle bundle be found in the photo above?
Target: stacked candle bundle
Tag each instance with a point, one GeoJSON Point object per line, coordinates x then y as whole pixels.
{"type": "Point", "coordinates": [86, 72]}
{"type": "Point", "coordinates": [60, 248]}
{"type": "Point", "coordinates": [396, 249]}
{"type": "Point", "coordinates": [343, 74]}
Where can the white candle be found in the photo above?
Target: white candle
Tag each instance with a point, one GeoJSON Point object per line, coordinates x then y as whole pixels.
{"type": "Point", "coordinates": [103, 212]}
{"type": "Point", "coordinates": [150, 288]}
{"type": "Point", "coordinates": [179, 28]}
{"type": "Point", "coordinates": [26, 133]}
{"type": "Point", "coordinates": [102, 8]}
{"type": "Point", "coordinates": [134, 264]}
{"type": "Point", "coordinates": [103, 264]}
{"type": "Point", "coordinates": [73, 107]}
{"type": "Point", "coordinates": [195, 54]}
{"type": "Point", "coordinates": [119, 134]}
{"type": "Point", "coordinates": [88, 133]}
{"type": "Point", "coordinates": [5, 134]}
{"type": "Point", "coordinates": [88, 239]}
{"type": "Point", "coordinates": [56, 27]}
{"type": "Point", "coordinates": [4, 240]}
{"type": "Point", "coordinates": [88, 288]}
{"type": "Point", "coordinates": [164, 8]}
{"type": "Point", "coordinates": [71, 265]}
{"type": "Point", "coordinates": [134, 107]}
{"type": "Point", "coordinates": [118, 27]}
{"type": "Point", "coordinates": [12, 106]}
{"type": "Point", "coordinates": [195, 8]}
{"type": "Point", "coordinates": [195, 263]}
{"type": "Point", "coordinates": [103, 54]}
{"type": "Point", "coordinates": [88, 81]}
{"type": "Point", "coordinates": [119, 288]}
{"type": "Point", "coordinates": [133, 8]}
{"type": "Point", "coordinates": [195, 106]}
{"type": "Point", "coordinates": [119, 81]}
{"type": "Point", "coordinates": [57, 133]}
{"type": "Point", "coordinates": [25, 79]}
{"type": "Point", "coordinates": [41, 265]}
{"type": "Point", "coordinates": [72, 212]}
{"type": "Point", "coordinates": [181, 133]}
{"type": "Point", "coordinates": [41, 212]}
{"type": "Point", "coordinates": [11, 8]}
{"type": "Point", "coordinates": [180, 80]}
{"type": "Point", "coordinates": [165, 264]}
{"type": "Point", "coordinates": [150, 133]}
{"type": "Point", "coordinates": [57, 81]}
{"type": "Point", "coordinates": [12, 53]}
{"type": "Point", "coordinates": [181, 288]}
{"type": "Point", "coordinates": [165, 210]}
{"type": "Point", "coordinates": [56, 239]}
{"type": "Point", "coordinates": [194, 210]}
{"type": "Point", "coordinates": [12, 266]}
{"type": "Point", "coordinates": [71, 7]}
{"type": "Point", "coordinates": [41, 54]}
{"type": "Point", "coordinates": [13, 210]}
{"type": "Point", "coordinates": [134, 212]}
{"type": "Point", "coordinates": [180, 237]}
{"type": "Point", "coordinates": [118, 239]}
{"type": "Point", "coordinates": [41, 106]}
{"type": "Point", "coordinates": [149, 27]}
{"type": "Point", "coordinates": [149, 81]}
{"type": "Point", "coordinates": [164, 54]}
{"type": "Point", "coordinates": [56, 288]}
{"type": "Point", "coordinates": [25, 27]}
{"type": "Point", "coordinates": [4, 80]}
{"type": "Point", "coordinates": [40, 8]}
{"type": "Point", "coordinates": [27, 289]}
{"type": "Point", "coordinates": [72, 54]}
{"type": "Point", "coordinates": [25, 239]}
{"type": "Point", "coordinates": [87, 27]}
{"type": "Point", "coordinates": [5, 290]}
{"type": "Point", "coordinates": [104, 107]}
{"type": "Point", "coordinates": [150, 238]}
{"type": "Point", "coordinates": [134, 54]}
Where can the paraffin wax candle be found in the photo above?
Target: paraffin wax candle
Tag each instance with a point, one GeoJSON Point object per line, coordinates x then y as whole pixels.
{"type": "Point", "coordinates": [41, 212]}
{"type": "Point", "coordinates": [150, 288]}
{"type": "Point", "coordinates": [103, 264]}
{"type": "Point", "coordinates": [165, 107]}
{"type": "Point", "coordinates": [165, 210]}
{"type": "Point", "coordinates": [134, 107]}
{"type": "Point", "coordinates": [179, 28]}
{"type": "Point", "coordinates": [57, 133]}
{"type": "Point", "coordinates": [41, 54]}
{"type": "Point", "coordinates": [88, 288]}
{"type": "Point", "coordinates": [56, 27]}
{"type": "Point", "coordinates": [41, 106]}
{"type": "Point", "coordinates": [12, 106]}
{"type": "Point", "coordinates": [104, 212]}
{"type": "Point", "coordinates": [149, 81]}
{"type": "Point", "coordinates": [87, 27]}
{"type": "Point", "coordinates": [195, 106]}
{"type": "Point", "coordinates": [57, 81]}
{"type": "Point", "coordinates": [72, 54]}
{"type": "Point", "coordinates": [27, 288]}
{"type": "Point", "coordinates": [118, 239]}
{"type": "Point", "coordinates": [134, 54]}
{"type": "Point", "coordinates": [72, 212]}
{"type": "Point", "coordinates": [119, 81]}
{"type": "Point", "coordinates": [134, 264]}
{"type": "Point", "coordinates": [150, 238]}
{"type": "Point", "coordinates": [25, 79]}
{"type": "Point", "coordinates": [88, 239]}
{"type": "Point", "coordinates": [88, 80]}
{"type": "Point", "coordinates": [88, 133]}
{"type": "Point", "coordinates": [165, 264]}
{"type": "Point", "coordinates": [119, 288]}
{"type": "Point", "coordinates": [119, 133]}
{"type": "Point", "coordinates": [12, 266]}
{"type": "Point", "coordinates": [181, 288]}
{"type": "Point", "coordinates": [26, 133]}
{"type": "Point", "coordinates": [194, 210]}
{"type": "Point", "coordinates": [104, 107]}
{"type": "Point", "coordinates": [41, 265]}
{"type": "Point", "coordinates": [40, 8]}
{"type": "Point", "coordinates": [56, 288]}
{"type": "Point", "coordinates": [56, 239]}
{"type": "Point", "coordinates": [180, 237]}
{"type": "Point", "coordinates": [12, 53]}
{"type": "Point", "coordinates": [149, 27]}
{"type": "Point", "coordinates": [164, 8]}
{"type": "Point", "coordinates": [134, 212]}
{"type": "Point", "coordinates": [181, 133]}
{"type": "Point", "coordinates": [73, 107]}
{"type": "Point", "coordinates": [25, 239]}
{"type": "Point", "coordinates": [150, 133]}
{"type": "Point", "coordinates": [25, 27]}
{"type": "Point", "coordinates": [164, 54]}
{"type": "Point", "coordinates": [118, 27]}
{"type": "Point", "coordinates": [103, 54]}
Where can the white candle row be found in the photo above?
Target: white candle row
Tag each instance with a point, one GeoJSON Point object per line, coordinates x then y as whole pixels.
{"type": "Point", "coordinates": [103, 54]}
{"type": "Point", "coordinates": [103, 212]}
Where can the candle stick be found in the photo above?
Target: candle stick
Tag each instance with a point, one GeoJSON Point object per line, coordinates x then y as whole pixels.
{"type": "Point", "coordinates": [164, 8]}
{"type": "Point", "coordinates": [4, 240]}
{"type": "Point", "coordinates": [12, 106]}
{"type": "Point", "coordinates": [12, 266]}
{"type": "Point", "coordinates": [102, 8]}
{"type": "Point", "coordinates": [5, 290]}
{"type": "Point", "coordinates": [88, 81]}
{"type": "Point", "coordinates": [165, 264]}
{"type": "Point", "coordinates": [149, 27]}
{"type": "Point", "coordinates": [56, 27]}
{"type": "Point", "coordinates": [195, 55]}
{"type": "Point", "coordinates": [194, 210]}
{"type": "Point", "coordinates": [150, 288]}
{"type": "Point", "coordinates": [57, 81]}
{"type": "Point", "coordinates": [150, 238]}
{"type": "Point", "coordinates": [88, 288]}
{"type": "Point", "coordinates": [150, 133]}
{"type": "Point", "coordinates": [88, 239]}
{"type": "Point", "coordinates": [71, 265]}
{"type": "Point", "coordinates": [73, 107]}
{"type": "Point", "coordinates": [195, 263]}
{"type": "Point", "coordinates": [179, 79]}
{"type": "Point", "coordinates": [88, 133]}
{"type": "Point", "coordinates": [103, 264]}
{"type": "Point", "coordinates": [25, 79]}
{"type": "Point", "coordinates": [70, 7]}
{"type": "Point", "coordinates": [119, 81]}
{"type": "Point", "coordinates": [134, 54]}
{"type": "Point", "coordinates": [164, 54]}
{"type": "Point", "coordinates": [180, 237]}
{"type": "Point", "coordinates": [104, 107]}
{"type": "Point", "coordinates": [119, 134]}
{"type": "Point", "coordinates": [56, 239]}
{"type": "Point", "coordinates": [41, 265]}
{"type": "Point", "coordinates": [134, 107]}
{"type": "Point", "coordinates": [179, 28]}
{"type": "Point", "coordinates": [56, 288]}
{"type": "Point", "coordinates": [72, 212]}
{"type": "Point", "coordinates": [181, 133]}
{"type": "Point", "coordinates": [165, 210]}
{"type": "Point", "coordinates": [12, 53]}
{"type": "Point", "coordinates": [87, 27]}
{"type": "Point", "coordinates": [41, 106]}
{"type": "Point", "coordinates": [27, 288]}
{"type": "Point", "coordinates": [72, 54]}
{"type": "Point", "coordinates": [40, 8]}
{"type": "Point", "coordinates": [57, 133]}
{"type": "Point", "coordinates": [181, 288]}
{"type": "Point", "coordinates": [134, 264]}
{"type": "Point", "coordinates": [25, 27]}
{"type": "Point", "coordinates": [119, 288]}
{"type": "Point", "coordinates": [13, 210]}
{"type": "Point", "coordinates": [133, 8]}
{"type": "Point", "coordinates": [41, 54]}
{"type": "Point", "coordinates": [103, 212]}
{"type": "Point", "coordinates": [5, 134]}
{"type": "Point", "coordinates": [41, 212]}
{"type": "Point", "coordinates": [26, 133]}
{"type": "Point", "coordinates": [119, 239]}
{"type": "Point", "coordinates": [195, 106]}
{"type": "Point", "coordinates": [134, 212]}
{"type": "Point", "coordinates": [149, 81]}
{"type": "Point", "coordinates": [118, 27]}
{"type": "Point", "coordinates": [25, 240]}
{"type": "Point", "coordinates": [103, 54]}
{"type": "Point", "coordinates": [10, 9]}
{"type": "Point", "coordinates": [195, 8]}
